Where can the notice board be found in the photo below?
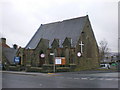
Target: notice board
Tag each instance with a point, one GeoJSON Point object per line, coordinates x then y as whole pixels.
{"type": "Point", "coordinates": [60, 60]}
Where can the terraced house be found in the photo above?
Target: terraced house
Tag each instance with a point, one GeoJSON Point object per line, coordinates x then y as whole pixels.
{"type": "Point", "coordinates": [68, 43]}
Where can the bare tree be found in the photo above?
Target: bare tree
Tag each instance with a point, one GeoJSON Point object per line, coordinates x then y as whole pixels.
{"type": "Point", "coordinates": [103, 49]}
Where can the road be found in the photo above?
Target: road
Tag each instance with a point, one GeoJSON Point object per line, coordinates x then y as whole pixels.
{"type": "Point", "coordinates": [60, 80]}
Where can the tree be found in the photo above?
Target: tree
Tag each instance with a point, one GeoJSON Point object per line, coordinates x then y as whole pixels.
{"type": "Point", "coordinates": [103, 49]}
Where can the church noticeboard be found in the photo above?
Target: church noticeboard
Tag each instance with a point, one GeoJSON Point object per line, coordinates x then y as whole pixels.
{"type": "Point", "coordinates": [60, 61]}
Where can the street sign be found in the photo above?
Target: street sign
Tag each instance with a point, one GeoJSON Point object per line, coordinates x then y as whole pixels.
{"type": "Point", "coordinates": [17, 59]}
{"type": "Point", "coordinates": [42, 55]}
{"type": "Point", "coordinates": [78, 54]}
{"type": "Point", "coordinates": [52, 54]}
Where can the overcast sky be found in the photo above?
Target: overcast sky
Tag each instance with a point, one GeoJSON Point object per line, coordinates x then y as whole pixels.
{"type": "Point", "coordinates": [20, 19]}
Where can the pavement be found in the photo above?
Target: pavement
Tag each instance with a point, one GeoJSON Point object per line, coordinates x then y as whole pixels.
{"type": "Point", "coordinates": [85, 73]}
{"type": "Point", "coordinates": [74, 75]}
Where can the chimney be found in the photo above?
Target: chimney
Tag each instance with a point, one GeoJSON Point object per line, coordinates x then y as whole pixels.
{"type": "Point", "coordinates": [3, 40]}
{"type": "Point", "coordinates": [15, 46]}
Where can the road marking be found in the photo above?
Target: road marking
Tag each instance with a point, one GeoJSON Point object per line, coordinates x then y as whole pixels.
{"type": "Point", "coordinates": [101, 78]}
{"type": "Point", "coordinates": [76, 78]}
{"type": "Point", "coordinates": [51, 73]}
{"type": "Point", "coordinates": [116, 79]}
{"type": "Point", "coordinates": [69, 78]}
{"type": "Point", "coordinates": [40, 84]}
{"type": "Point", "coordinates": [108, 79]}
{"type": "Point", "coordinates": [60, 77]}
{"type": "Point", "coordinates": [92, 78]}
{"type": "Point", "coordinates": [84, 78]}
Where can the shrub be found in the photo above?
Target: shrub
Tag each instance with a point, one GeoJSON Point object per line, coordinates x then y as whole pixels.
{"type": "Point", "coordinates": [33, 69]}
{"type": "Point", "coordinates": [14, 68]}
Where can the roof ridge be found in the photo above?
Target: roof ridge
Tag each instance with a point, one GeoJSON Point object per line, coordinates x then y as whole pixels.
{"type": "Point", "coordinates": [65, 20]}
{"type": "Point", "coordinates": [60, 30]}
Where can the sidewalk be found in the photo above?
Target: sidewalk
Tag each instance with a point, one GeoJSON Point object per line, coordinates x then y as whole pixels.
{"type": "Point", "coordinates": [82, 73]}
{"type": "Point", "coordinates": [25, 73]}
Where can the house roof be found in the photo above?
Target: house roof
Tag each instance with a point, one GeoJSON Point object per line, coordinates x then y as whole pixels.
{"type": "Point", "coordinates": [4, 45]}
{"type": "Point", "coordinates": [67, 28]}
{"type": "Point", "coordinates": [9, 53]}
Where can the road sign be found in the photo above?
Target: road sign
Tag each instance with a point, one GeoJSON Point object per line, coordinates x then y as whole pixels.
{"type": "Point", "coordinates": [17, 59]}
{"type": "Point", "coordinates": [52, 54]}
{"type": "Point", "coordinates": [42, 55]}
{"type": "Point", "coordinates": [78, 54]}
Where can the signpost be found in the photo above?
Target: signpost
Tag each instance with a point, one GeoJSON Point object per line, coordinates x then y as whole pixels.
{"type": "Point", "coordinates": [52, 54]}
{"type": "Point", "coordinates": [57, 61]}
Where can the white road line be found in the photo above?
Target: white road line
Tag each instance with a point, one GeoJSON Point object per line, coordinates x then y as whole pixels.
{"type": "Point", "coordinates": [108, 79]}
{"type": "Point", "coordinates": [101, 78]}
{"type": "Point", "coordinates": [76, 78]}
{"type": "Point", "coordinates": [116, 79]}
{"type": "Point", "coordinates": [92, 78]}
{"type": "Point", "coordinates": [69, 78]}
{"type": "Point", "coordinates": [60, 77]}
{"type": "Point", "coordinates": [40, 84]}
{"type": "Point", "coordinates": [84, 78]}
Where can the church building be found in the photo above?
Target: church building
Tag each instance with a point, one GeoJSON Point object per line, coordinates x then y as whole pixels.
{"type": "Point", "coordinates": [63, 44]}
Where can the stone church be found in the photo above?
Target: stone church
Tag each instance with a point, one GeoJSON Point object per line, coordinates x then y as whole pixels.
{"type": "Point", "coordinates": [72, 40]}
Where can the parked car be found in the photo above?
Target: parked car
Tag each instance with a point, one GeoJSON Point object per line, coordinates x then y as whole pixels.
{"type": "Point", "coordinates": [105, 66]}
{"type": "Point", "coordinates": [1, 66]}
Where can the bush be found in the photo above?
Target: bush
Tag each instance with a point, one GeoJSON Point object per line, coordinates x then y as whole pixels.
{"type": "Point", "coordinates": [62, 69]}
{"type": "Point", "coordinates": [14, 68]}
{"type": "Point", "coordinates": [47, 68]}
{"type": "Point", "coordinates": [33, 69]}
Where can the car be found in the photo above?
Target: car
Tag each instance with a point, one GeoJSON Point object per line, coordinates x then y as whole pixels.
{"type": "Point", "coordinates": [105, 66]}
{"type": "Point", "coordinates": [1, 66]}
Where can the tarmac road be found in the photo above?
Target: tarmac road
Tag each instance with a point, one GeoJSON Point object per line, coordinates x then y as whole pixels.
{"type": "Point", "coordinates": [60, 80]}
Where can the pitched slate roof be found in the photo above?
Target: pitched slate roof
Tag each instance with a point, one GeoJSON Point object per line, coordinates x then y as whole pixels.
{"type": "Point", "coordinates": [9, 53]}
{"type": "Point", "coordinates": [67, 28]}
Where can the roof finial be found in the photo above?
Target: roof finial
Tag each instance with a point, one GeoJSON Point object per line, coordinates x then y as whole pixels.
{"type": "Point", "coordinates": [86, 13]}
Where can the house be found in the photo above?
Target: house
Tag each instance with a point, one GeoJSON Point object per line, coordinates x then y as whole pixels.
{"type": "Point", "coordinates": [7, 53]}
{"type": "Point", "coordinates": [71, 39]}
